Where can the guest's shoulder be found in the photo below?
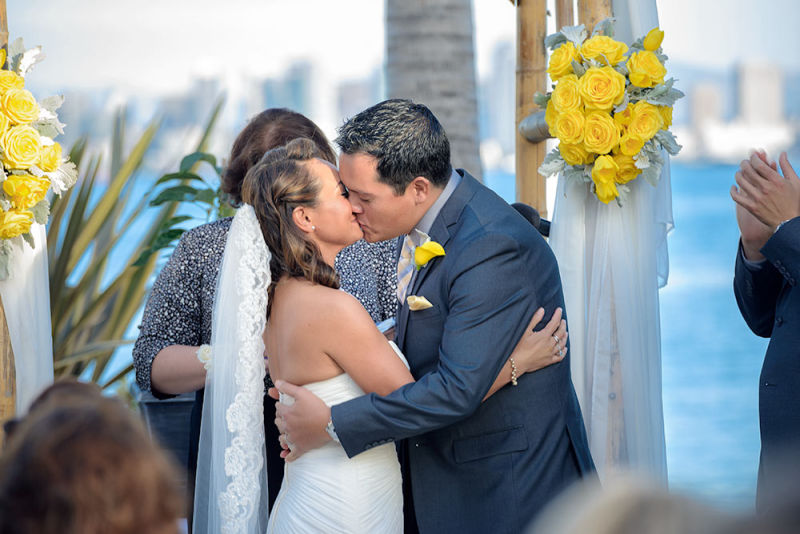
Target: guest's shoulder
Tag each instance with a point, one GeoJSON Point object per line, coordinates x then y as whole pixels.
{"type": "Point", "coordinates": [206, 234]}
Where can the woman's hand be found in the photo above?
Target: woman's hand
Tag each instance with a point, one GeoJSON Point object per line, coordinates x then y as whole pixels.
{"type": "Point", "coordinates": [539, 349]}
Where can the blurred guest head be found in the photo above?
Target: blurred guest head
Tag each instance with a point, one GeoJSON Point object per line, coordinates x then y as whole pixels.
{"type": "Point", "coordinates": [269, 129]}
{"type": "Point", "coordinates": [81, 463]}
{"type": "Point", "coordinates": [628, 506]}
{"type": "Point", "coordinates": [61, 391]}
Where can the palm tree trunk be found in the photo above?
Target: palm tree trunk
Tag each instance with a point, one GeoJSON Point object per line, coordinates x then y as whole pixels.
{"type": "Point", "coordinates": [430, 59]}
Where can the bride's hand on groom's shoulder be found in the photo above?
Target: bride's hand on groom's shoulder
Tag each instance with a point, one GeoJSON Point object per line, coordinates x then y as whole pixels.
{"type": "Point", "coordinates": [301, 424]}
{"type": "Point", "coordinates": [538, 349]}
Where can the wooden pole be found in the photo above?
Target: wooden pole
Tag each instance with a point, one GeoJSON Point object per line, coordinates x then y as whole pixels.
{"type": "Point", "coordinates": [565, 14]}
{"type": "Point", "coordinates": [531, 77]}
{"type": "Point", "coordinates": [590, 12]}
{"type": "Point", "coordinates": [8, 374]}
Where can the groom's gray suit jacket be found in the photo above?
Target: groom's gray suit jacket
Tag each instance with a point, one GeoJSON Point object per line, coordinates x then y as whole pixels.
{"type": "Point", "coordinates": [477, 466]}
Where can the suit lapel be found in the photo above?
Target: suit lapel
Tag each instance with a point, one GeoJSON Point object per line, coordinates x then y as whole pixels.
{"type": "Point", "coordinates": [448, 216]}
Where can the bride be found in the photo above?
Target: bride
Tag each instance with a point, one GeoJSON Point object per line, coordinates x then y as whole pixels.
{"type": "Point", "coordinates": [295, 219]}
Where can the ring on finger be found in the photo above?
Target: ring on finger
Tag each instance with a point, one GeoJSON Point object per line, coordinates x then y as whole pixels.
{"type": "Point", "coordinates": [556, 338]}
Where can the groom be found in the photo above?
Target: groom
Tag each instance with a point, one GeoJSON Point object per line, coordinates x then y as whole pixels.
{"type": "Point", "coordinates": [470, 466]}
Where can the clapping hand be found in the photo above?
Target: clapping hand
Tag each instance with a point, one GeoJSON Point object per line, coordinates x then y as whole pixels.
{"type": "Point", "coordinates": [764, 199]}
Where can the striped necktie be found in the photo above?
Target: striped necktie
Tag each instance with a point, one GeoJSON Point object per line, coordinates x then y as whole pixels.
{"type": "Point", "coordinates": [405, 268]}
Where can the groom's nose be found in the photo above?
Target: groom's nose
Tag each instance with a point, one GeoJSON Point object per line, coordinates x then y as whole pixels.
{"type": "Point", "coordinates": [356, 207]}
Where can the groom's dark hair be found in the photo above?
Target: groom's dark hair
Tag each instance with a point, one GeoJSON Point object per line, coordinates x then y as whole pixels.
{"type": "Point", "coordinates": [406, 139]}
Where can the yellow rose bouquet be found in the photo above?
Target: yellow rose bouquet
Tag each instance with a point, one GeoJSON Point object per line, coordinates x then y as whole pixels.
{"type": "Point", "coordinates": [610, 108]}
{"type": "Point", "coordinates": [32, 162]}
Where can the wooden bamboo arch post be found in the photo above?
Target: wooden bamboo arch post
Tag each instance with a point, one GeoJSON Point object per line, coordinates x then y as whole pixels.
{"type": "Point", "coordinates": [531, 77]}
{"type": "Point", "coordinates": [590, 12]}
{"type": "Point", "coordinates": [8, 376]}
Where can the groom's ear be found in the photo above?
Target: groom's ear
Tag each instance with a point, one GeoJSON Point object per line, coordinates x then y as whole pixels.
{"type": "Point", "coordinates": [421, 189]}
{"type": "Point", "coordinates": [300, 216]}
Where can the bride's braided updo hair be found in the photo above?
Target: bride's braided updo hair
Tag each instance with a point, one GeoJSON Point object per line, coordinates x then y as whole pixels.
{"type": "Point", "coordinates": [275, 186]}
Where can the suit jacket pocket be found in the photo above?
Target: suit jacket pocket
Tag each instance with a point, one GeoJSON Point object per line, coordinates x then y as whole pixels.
{"type": "Point", "coordinates": [426, 314]}
{"type": "Point", "coordinates": [511, 439]}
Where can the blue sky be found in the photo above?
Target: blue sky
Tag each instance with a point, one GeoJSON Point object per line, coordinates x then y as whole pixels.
{"type": "Point", "coordinates": [158, 46]}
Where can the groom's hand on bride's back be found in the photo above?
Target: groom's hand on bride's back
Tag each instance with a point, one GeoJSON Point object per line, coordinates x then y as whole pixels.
{"type": "Point", "coordinates": [303, 423]}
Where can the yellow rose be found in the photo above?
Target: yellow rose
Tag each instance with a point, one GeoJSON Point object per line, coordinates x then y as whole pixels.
{"type": "Point", "coordinates": [623, 118]}
{"type": "Point", "coordinates": [10, 80]}
{"type": "Point", "coordinates": [50, 158]}
{"type": "Point", "coordinates": [20, 106]}
{"type": "Point", "coordinates": [574, 154]}
{"type": "Point", "coordinates": [646, 122]}
{"type": "Point", "coordinates": [550, 117]}
{"type": "Point", "coordinates": [14, 223]}
{"type": "Point", "coordinates": [569, 126]}
{"type": "Point", "coordinates": [630, 145]}
{"type": "Point", "coordinates": [602, 88]}
{"type": "Point", "coordinates": [604, 49]}
{"type": "Point", "coordinates": [604, 174]}
{"type": "Point", "coordinates": [566, 96]}
{"type": "Point", "coordinates": [627, 169]}
{"type": "Point", "coordinates": [645, 70]}
{"type": "Point", "coordinates": [2, 57]}
{"type": "Point", "coordinates": [426, 252]}
{"type": "Point", "coordinates": [666, 115]}
{"type": "Point", "coordinates": [25, 191]}
{"type": "Point", "coordinates": [653, 39]}
{"type": "Point", "coordinates": [561, 60]}
{"type": "Point", "coordinates": [4, 122]}
{"type": "Point", "coordinates": [21, 145]}
{"type": "Point", "coordinates": [601, 133]}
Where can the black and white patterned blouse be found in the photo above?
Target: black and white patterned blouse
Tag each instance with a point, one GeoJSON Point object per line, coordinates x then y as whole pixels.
{"type": "Point", "coordinates": [178, 310]}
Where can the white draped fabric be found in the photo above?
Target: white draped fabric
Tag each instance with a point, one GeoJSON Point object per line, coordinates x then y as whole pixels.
{"type": "Point", "coordinates": [231, 486]}
{"type": "Point", "coordinates": [26, 300]}
{"type": "Point", "coordinates": [613, 261]}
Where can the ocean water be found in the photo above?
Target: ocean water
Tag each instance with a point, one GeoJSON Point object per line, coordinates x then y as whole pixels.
{"type": "Point", "coordinates": [710, 359]}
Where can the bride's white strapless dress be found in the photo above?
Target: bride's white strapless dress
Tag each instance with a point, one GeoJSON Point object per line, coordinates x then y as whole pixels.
{"type": "Point", "coordinates": [325, 491]}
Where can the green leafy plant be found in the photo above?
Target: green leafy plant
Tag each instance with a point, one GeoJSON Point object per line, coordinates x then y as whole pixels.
{"type": "Point", "coordinates": [93, 303]}
{"type": "Point", "coordinates": [188, 186]}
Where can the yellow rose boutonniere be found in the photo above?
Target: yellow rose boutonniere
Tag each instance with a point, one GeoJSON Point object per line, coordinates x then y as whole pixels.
{"type": "Point", "coordinates": [426, 252]}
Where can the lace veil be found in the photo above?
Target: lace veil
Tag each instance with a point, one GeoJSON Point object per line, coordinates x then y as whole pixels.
{"type": "Point", "coordinates": [231, 485]}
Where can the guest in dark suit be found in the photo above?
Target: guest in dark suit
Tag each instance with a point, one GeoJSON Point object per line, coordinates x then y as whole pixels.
{"type": "Point", "coordinates": [765, 284]}
{"type": "Point", "coordinates": [471, 466]}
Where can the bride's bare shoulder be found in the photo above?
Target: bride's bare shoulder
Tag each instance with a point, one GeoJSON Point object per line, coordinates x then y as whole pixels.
{"type": "Point", "coordinates": [329, 303]}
